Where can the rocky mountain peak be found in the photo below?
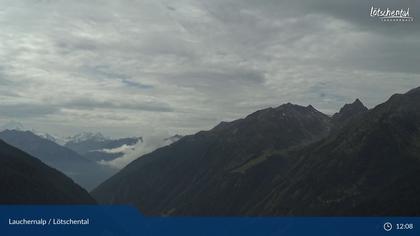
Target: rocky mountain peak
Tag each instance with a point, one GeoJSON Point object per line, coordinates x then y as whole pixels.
{"type": "Point", "coordinates": [349, 111]}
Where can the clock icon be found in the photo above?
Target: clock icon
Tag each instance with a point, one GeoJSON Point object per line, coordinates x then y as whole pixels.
{"type": "Point", "coordinates": [387, 226]}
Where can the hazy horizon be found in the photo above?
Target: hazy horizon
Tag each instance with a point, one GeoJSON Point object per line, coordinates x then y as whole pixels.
{"type": "Point", "coordinates": [17, 125]}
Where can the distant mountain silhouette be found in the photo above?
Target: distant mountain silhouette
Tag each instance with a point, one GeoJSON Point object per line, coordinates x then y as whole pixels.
{"type": "Point", "coordinates": [26, 180]}
{"type": "Point", "coordinates": [290, 160]}
{"type": "Point", "coordinates": [349, 112]}
{"type": "Point", "coordinates": [96, 147]}
{"type": "Point", "coordinates": [85, 172]}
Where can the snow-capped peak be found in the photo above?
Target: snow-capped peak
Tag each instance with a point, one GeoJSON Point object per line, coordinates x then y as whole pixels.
{"type": "Point", "coordinates": [53, 138]}
{"type": "Point", "coordinates": [84, 136]}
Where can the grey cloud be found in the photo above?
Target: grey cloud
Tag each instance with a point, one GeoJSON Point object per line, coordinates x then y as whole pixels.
{"type": "Point", "coordinates": [69, 46]}
{"type": "Point", "coordinates": [217, 78]}
{"type": "Point", "coordinates": [106, 72]}
{"type": "Point", "coordinates": [372, 44]}
{"type": "Point", "coordinates": [135, 84]}
{"type": "Point", "coordinates": [91, 103]}
{"type": "Point", "coordinates": [102, 72]}
{"type": "Point", "coordinates": [24, 111]}
{"type": "Point", "coordinates": [186, 65]}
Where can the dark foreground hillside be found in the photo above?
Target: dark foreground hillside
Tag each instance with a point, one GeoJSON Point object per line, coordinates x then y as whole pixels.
{"type": "Point", "coordinates": [26, 180]}
{"type": "Point", "coordinates": [84, 172]}
{"type": "Point", "coordinates": [290, 160]}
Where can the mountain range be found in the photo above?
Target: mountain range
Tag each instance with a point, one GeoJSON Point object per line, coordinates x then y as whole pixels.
{"type": "Point", "coordinates": [289, 160]}
{"type": "Point", "coordinates": [83, 171]}
{"type": "Point", "coordinates": [286, 161]}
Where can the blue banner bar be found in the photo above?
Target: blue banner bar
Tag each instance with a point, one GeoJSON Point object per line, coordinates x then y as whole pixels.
{"type": "Point", "coordinates": [126, 220]}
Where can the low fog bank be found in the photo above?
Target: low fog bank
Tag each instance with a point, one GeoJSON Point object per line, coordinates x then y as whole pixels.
{"type": "Point", "coordinates": [149, 144]}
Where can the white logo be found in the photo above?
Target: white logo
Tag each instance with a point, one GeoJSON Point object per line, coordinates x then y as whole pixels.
{"type": "Point", "coordinates": [395, 15]}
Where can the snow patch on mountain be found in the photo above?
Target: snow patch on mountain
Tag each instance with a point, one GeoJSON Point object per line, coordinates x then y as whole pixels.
{"type": "Point", "coordinates": [84, 136]}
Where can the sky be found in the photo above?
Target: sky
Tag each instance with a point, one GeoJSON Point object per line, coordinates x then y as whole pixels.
{"type": "Point", "coordinates": [150, 67]}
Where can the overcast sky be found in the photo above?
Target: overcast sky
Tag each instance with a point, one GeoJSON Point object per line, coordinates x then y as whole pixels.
{"type": "Point", "coordinates": [140, 67]}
